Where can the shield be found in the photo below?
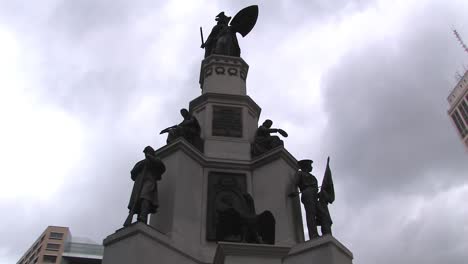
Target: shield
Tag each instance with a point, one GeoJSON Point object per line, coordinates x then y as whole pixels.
{"type": "Point", "coordinates": [245, 20]}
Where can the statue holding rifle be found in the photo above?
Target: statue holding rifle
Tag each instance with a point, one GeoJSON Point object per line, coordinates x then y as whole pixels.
{"type": "Point", "coordinates": [144, 197]}
{"type": "Point", "coordinates": [189, 129]}
{"type": "Point", "coordinates": [315, 202]}
{"type": "Point", "coordinates": [222, 39]}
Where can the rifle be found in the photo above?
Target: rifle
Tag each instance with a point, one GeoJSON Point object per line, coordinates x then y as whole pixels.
{"type": "Point", "coordinates": [201, 36]}
{"type": "Point", "coordinates": [167, 129]}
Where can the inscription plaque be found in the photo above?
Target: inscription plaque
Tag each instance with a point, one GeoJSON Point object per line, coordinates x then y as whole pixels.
{"type": "Point", "coordinates": [227, 121]}
{"type": "Point", "coordinates": [221, 184]}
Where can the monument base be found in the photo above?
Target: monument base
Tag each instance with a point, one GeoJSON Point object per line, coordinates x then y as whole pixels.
{"type": "Point", "coordinates": [142, 244]}
{"type": "Point", "coordinates": [235, 253]}
{"type": "Point", "coordinates": [325, 250]}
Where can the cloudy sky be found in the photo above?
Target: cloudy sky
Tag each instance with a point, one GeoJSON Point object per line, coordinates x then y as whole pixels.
{"type": "Point", "coordinates": [85, 85]}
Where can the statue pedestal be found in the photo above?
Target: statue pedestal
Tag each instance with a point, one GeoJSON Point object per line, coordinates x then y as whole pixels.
{"type": "Point", "coordinates": [223, 74]}
{"type": "Point", "coordinates": [236, 253]}
{"type": "Point", "coordinates": [324, 250]}
{"type": "Point", "coordinates": [142, 244]}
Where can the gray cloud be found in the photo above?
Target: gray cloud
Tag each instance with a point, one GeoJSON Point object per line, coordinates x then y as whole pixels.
{"type": "Point", "coordinates": [387, 110]}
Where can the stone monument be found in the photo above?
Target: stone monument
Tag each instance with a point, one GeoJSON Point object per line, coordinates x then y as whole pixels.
{"type": "Point", "coordinates": [222, 202]}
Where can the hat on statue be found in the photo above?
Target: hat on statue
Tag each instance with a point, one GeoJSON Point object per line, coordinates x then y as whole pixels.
{"type": "Point", "coordinates": [222, 17]}
{"type": "Point", "coordinates": [304, 163]}
{"type": "Point", "coordinates": [149, 149]}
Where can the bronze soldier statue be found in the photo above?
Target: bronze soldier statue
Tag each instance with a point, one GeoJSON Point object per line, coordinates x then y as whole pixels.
{"type": "Point", "coordinates": [326, 196]}
{"type": "Point", "coordinates": [263, 141]}
{"type": "Point", "coordinates": [144, 197]}
{"type": "Point", "coordinates": [315, 203]}
{"type": "Point", "coordinates": [189, 128]}
{"type": "Point", "coordinates": [308, 186]}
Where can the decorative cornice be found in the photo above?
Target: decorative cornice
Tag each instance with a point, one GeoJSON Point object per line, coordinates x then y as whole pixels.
{"type": "Point", "coordinates": [223, 61]}
{"type": "Point", "coordinates": [202, 99]}
{"type": "Point", "coordinates": [210, 162]}
{"type": "Point", "coordinates": [279, 152]}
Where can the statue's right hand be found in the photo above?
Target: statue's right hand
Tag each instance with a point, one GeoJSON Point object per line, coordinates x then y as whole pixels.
{"type": "Point", "coordinates": [202, 46]}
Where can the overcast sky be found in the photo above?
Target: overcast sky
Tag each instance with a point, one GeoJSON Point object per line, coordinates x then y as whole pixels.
{"type": "Point", "coordinates": [86, 84]}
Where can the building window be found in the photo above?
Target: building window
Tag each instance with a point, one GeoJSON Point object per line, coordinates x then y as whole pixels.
{"type": "Point", "coordinates": [52, 247]}
{"type": "Point", "coordinates": [55, 235]}
{"type": "Point", "coordinates": [459, 123]}
{"type": "Point", "coordinates": [463, 108]}
{"type": "Point", "coordinates": [49, 259]}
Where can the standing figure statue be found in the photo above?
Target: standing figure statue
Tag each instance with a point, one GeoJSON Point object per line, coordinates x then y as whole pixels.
{"type": "Point", "coordinates": [326, 196]}
{"type": "Point", "coordinates": [189, 129]}
{"type": "Point", "coordinates": [222, 39]}
{"type": "Point", "coordinates": [144, 198]}
{"type": "Point", "coordinates": [263, 141]}
{"type": "Point", "coordinates": [315, 203]}
{"type": "Point", "coordinates": [307, 184]}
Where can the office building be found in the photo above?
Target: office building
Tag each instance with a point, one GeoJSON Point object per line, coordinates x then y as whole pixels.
{"type": "Point", "coordinates": [458, 111]}
{"type": "Point", "coordinates": [56, 245]}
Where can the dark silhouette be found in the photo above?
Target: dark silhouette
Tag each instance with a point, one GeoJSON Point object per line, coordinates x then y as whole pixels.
{"type": "Point", "coordinates": [315, 203]}
{"type": "Point", "coordinates": [237, 221]}
{"type": "Point", "coordinates": [222, 39]}
{"type": "Point", "coordinates": [189, 129]}
{"type": "Point", "coordinates": [264, 141]}
{"type": "Point", "coordinates": [144, 197]}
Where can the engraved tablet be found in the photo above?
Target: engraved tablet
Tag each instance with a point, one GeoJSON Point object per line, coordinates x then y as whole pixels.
{"type": "Point", "coordinates": [227, 121]}
{"type": "Point", "coordinates": [222, 186]}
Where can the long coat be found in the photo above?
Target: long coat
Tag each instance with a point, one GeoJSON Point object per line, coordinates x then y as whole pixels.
{"type": "Point", "coordinates": [146, 173]}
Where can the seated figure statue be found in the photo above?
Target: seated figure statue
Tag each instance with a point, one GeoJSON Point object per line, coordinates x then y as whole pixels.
{"type": "Point", "coordinates": [189, 129]}
{"type": "Point", "coordinates": [263, 141]}
{"type": "Point", "coordinates": [237, 221]}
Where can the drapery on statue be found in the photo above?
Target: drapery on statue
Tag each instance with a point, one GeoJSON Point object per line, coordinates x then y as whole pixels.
{"type": "Point", "coordinates": [144, 198]}
{"type": "Point", "coordinates": [263, 141]}
{"type": "Point", "coordinates": [315, 203]}
{"type": "Point", "coordinates": [222, 39]}
{"type": "Point", "coordinates": [189, 129]}
{"type": "Point", "coordinates": [237, 221]}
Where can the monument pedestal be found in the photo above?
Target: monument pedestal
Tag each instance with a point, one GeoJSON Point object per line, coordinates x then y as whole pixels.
{"type": "Point", "coordinates": [234, 253]}
{"type": "Point", "coordinates": [323, 250]}
{"type": "Point", "coordinates": [142, 244]}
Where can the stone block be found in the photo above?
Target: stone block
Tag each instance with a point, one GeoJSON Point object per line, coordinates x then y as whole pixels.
{"type": "Point", "coordinates": [323, 250]}
{"type": "Point", "coordinates": [237, 253]}
{"type": "Point", "coordinates": [142, 244]}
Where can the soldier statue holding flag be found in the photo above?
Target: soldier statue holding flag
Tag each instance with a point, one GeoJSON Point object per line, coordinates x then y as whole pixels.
{"type": "Point", "coordinates": [315, 202]}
